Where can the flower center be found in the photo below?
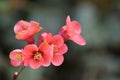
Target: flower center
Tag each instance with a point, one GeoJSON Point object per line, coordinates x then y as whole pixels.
{"type": "Point", "coordinates": [37, 56]}
{"type": "Point", "coordinates": [55, 48]}
{"type": "Point", "coordinates": [19, 56]}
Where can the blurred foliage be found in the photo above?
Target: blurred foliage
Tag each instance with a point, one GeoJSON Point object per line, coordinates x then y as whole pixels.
{"type": "Point", "coordinates": [100, 20]}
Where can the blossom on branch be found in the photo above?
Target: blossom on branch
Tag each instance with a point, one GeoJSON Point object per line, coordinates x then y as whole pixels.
{"type": "Point", "coordinates": [26, 30]}
{"type": "Point", "coordinates": [71, 31]}
{"type": "Point", "coordinates": [16, 57]}
{"type": "Point", "coordinates": [35, 56]}
{"type": "Point", "coordinates": [59, 47]}
{"type": "Point", "coordinates": [49, 49]}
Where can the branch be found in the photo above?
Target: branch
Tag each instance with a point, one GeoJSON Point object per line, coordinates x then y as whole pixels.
{"type": "Point", "coordinates": [16, 74]}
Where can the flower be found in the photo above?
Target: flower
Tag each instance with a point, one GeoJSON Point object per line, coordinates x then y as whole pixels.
{"type": "Point", "coordinates": [16, 57]}
{"type": "Point", "coordinates": [26, 30]}
{"type": "Point", "coordinates": [71, 31]}
{"type": "Point", "coordinates": [37, 56]}
{"type": "Point", "coordinates": [59, 47]}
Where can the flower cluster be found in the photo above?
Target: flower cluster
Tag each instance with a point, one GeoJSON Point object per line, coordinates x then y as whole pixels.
{"type": "Point", "coordinates": [49, 49]}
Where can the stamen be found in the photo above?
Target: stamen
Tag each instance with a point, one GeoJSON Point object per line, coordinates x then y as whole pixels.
{"type": "Point", "coordinates": [55, 48]}
{"type": "Point", "coordinates": [19, 56]}
{"type": "Point", "coordinates": [37, 56]}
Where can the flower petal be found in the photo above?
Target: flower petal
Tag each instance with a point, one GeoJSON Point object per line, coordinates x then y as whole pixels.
{"type": "Point", "coordinates": [16, 62]}
{"type": "Point", "coordinates": [68, 20]}
{"type": "Point", "coordinates": [47, 53]}
{"type": "Point", "coordinates": [35, 64]}
{"type": "Point", "coordinates": [28, 53]}
{"type": "Point", "coordinates": [21, 25]}
{"type": "Point", "coordinates": [45, 36]}
{"type": "Point", "coordinates": [30, 48]}
{"type": "Point", "coordinates": [75, 27]}
{"type": "Point", "coordinates": [78, 39]}
{"type": "Point", "coordinates": [57, 60]}
{"type": "Point", "coordinates": [14, 53]}
{"type": "Point", "coordinates": [62, 50]}
{"type": "Point", "coordinates": [26, 61]}
{"type": "Point", "coordinates": [33, 30]}
{"type": "Point", "coordinates": [23, 35]}
{"type": "Point", "coordinates": [57, 40]}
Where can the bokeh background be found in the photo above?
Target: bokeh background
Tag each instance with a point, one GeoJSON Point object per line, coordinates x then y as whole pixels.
{"type": "Point", "coordinates": [100, 20]}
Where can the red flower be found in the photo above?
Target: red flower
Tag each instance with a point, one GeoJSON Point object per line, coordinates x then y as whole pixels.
{"type": "Point", "coordinates": [71, 31]}
{"type": "Point", "coordinates": [26, 30]}
{"type": "Point", "coordinates": [37, 56]}
{"type": "Point", "coordinates": [16, 57]}
{"type": "Point", "coordinates": [59, 47]}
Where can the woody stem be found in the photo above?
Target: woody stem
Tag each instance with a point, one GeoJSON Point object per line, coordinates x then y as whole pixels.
{"type": "Point", "coordinates": [16, 74]}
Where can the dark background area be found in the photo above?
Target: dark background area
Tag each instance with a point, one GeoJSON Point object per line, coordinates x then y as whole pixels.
{"type": "Point", "coordinates": [100, 20]}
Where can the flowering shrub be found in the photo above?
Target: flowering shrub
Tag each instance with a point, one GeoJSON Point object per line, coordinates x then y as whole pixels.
{"type": "Point", "coordinates": [49, 48]}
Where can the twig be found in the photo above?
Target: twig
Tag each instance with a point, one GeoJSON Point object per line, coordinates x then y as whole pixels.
{"type": "Point", "coordinates": [16, 74]}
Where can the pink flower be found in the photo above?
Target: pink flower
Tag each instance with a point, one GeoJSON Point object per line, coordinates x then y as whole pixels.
{"type": "Point", "coordinates": [26, 30]}
{"type": "Point", "coordinates": [59, 47]}
{"type": "Point", "coordinates": [37, 56]}
{"type": "Point", "coordinates": [71, 31]}
{"type": "Point", "coordinates": [16, 57]}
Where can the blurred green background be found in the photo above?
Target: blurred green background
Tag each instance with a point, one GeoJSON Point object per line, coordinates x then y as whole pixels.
{"type": "Point", "coordinates": [100, 20]}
